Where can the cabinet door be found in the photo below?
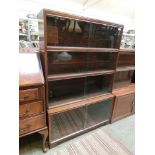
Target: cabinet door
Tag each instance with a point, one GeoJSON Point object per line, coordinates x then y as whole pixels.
{"type": "Point", "coordinates": [123, 78]}
{"type": "Point", "coordinates": [99, 112]}
{"type": "Point", "coordinates": [65, 62]}
{"type": "Point", "coordinates": [66, 123]}
{"type": "Point", "coordinates": [126, 59]}
{"type": "Point", "coordinates": [67, 32]}
{"type": "Point", "coordinates": [123, 106]}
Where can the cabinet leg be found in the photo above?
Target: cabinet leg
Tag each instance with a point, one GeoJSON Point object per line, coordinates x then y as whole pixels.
{"type": "Point", "coordinates": [44, 135]}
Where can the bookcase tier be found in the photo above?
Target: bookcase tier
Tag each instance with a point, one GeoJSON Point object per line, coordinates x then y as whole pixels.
{"type": "Point", "coordinates": [75, 62]}
{"type": "Point", "coordinates": [67, 123]}
{"type": "Point", "coordinates": [63, 91]}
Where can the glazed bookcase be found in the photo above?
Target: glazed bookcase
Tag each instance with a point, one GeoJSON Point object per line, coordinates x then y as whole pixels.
{"type": "Point", "coordinates": [124, 87]}
{"type": "Point", "coordinates": [79, 57]}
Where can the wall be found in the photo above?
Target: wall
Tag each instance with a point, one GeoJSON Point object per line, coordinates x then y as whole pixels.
{"type": "Point", "coordinates": [119, 11]}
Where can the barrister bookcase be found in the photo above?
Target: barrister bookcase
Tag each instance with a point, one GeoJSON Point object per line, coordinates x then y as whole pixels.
{"type": "Point", "coordinates": [79, 57]}
{"type": "Point", "coordinates": [124, 87]}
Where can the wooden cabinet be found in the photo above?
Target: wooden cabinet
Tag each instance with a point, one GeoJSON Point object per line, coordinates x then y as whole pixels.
{"type": "Point", "coordinates": [124, 102]}
{"type": "Point", "coordinates": [79, 56]}
{"type": "Point", "coordinates": [32, 108]}
{"type": "Point", "coordinates": [123, 87]}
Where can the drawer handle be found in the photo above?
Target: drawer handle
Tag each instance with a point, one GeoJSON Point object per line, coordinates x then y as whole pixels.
{"type": "Point", "coordinates": [24, 129]}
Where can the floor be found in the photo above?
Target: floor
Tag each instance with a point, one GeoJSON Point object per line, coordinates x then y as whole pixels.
{"type": "Point", "coordinates": [123, 131]}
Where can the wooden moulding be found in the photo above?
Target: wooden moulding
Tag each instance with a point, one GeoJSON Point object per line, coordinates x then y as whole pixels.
{"type": "Point", "coordinates": [120, 69]}
{"type": "Point", "coordinates": [80, 49]}
{"type": "Point", "coordinates": [123, 50]}
{"type": "Point", "coordinates": [78, 17]}
{"type": "Point", "coordinates": [79, 103]}
{"type": "Point", "coordinates": [78, 75]}
{"type": "Point", "coordinates": [124, 90]}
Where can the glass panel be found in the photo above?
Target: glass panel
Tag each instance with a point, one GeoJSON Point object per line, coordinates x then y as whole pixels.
{"type": "Point", "coordinates": [63, 91]}
{"type": "Point", "coordinates": [98, 84]}
{"type": "Point", "coordinates": [103, 36]}
{"type": "Point", "coordinates": [76, 62]}
{"type": "Point", "coordinates": [99, 112]}
{"type": "Point", "coordinates": [126, 59]}
{"type": "Point", "coordinates": [123, 78]}
{"type": "Point", "coordinates": [66, 123]}
{"type": "Point", "coordinates": [68, 32]}
{"type": "Point", "coordinates": [66, 62]}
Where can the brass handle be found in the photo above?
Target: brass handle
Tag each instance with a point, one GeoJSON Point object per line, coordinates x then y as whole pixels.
{"type": "Point", "coordinates": [23, 129]}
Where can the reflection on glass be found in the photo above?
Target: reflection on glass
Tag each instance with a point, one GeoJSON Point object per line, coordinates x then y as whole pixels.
{"type": "Point", "coordinates": [99, 112]}
{"type": "Point", "coordinates": [63, 91]}
{"type": "Point", "coordinates": [69, 32]}
{"type": "Point", "coordinates": [66, 123]}
{"type": "Point", "coordinates": [76, 62]}
{"type": "Point", "coordinates": [126, 59]}
{"type": "Point", "coordinates": [123, 78]}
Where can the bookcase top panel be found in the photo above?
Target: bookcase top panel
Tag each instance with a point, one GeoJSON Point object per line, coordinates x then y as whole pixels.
{"type": "Point", "coordinates": [48, 12]}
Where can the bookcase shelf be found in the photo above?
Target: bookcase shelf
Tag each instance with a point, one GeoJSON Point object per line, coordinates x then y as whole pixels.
{"type": "Point", "coordinates": [81, 49]}
{"type": "Point", "coordinates": [78, 75]}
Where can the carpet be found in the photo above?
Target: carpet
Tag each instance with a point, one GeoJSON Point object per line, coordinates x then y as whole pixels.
{"type": "Point", "coordinates": [98, 143]}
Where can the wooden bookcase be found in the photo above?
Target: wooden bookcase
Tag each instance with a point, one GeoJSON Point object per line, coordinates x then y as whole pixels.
{"type": "Point", "coordinates": [79, 57]}
{"type": "Point", "coordinates": [124, 88]}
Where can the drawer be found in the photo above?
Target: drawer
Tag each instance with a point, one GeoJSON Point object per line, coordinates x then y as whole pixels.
{"type": "Point", "coordinates": [31, 124]}
{"type": "Point", "coordinates": [27, 109]}
{"type": "Point", "coordinates": [30, 94]}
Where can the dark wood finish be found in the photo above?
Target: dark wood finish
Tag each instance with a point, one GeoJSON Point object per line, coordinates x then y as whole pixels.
{"type": "Point", "coordinates": [126, 59]}
{"type": "Point", "coordinates": [124, 102]}
{"type": "Point", "coordinates": [79, 57]}
{"type": "Point", "coordinates": [58, 19]}
{"type": "Point", "coordinates": [32, 114]}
